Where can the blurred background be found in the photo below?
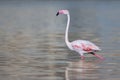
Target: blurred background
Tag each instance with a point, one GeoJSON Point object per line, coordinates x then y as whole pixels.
{"type": "Point", "coordinates": [32, 45]}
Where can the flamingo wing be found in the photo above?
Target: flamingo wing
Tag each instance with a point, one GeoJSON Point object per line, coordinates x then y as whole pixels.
{"type": "Point", "coordinates": [84, 45]}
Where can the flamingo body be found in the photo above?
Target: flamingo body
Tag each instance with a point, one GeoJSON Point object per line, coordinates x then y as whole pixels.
{"type": "Point", "coordinates": [84, 46]}
{"type": "Point", "coordinates": [80, 46]}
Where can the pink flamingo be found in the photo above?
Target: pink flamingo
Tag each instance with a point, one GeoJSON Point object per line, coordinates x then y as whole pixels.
{"type": "Point", "coordinates": [80, 46]}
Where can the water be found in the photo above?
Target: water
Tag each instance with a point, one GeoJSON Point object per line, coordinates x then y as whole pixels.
{"type": "Point", "coordinates": [32, 43]}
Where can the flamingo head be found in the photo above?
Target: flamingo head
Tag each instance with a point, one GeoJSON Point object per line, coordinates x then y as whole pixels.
{"type": "Point", "coordinates": [62, 12]}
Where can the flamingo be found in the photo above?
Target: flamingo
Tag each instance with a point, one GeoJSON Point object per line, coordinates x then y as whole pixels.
{"type": "Point", "coordinates": [80, 46]}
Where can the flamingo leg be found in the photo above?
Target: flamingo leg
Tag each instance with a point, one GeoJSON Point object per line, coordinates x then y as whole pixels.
{"type": "Point", "coordinates": [82, 57]}
{"type": "Point", "coordinates": [98, 56]}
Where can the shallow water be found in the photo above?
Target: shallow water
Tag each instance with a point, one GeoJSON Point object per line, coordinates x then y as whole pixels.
{"type": "Point", "coordinates": [32, 43]}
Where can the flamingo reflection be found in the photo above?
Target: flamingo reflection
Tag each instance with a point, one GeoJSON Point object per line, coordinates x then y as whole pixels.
{"type": "Point", "coordinates": [83, 70]}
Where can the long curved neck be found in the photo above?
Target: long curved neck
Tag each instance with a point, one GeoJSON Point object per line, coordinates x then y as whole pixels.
{"type": "Point", "coordinates": [66, 32]}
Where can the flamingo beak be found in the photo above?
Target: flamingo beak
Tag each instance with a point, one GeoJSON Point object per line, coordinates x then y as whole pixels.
{"type": "Point", "coordinates": [57, 14]}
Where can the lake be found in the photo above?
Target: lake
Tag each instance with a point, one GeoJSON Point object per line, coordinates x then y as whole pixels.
{"type": "Point", "coordinates": [32, 45]}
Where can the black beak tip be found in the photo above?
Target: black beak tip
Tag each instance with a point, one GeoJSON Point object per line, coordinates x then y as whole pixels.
{"type": "Point", "coordinates": [57, 14]}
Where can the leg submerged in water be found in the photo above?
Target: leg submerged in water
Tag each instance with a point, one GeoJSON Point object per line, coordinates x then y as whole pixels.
{"type": "Point", "coordinates": [82, 57]}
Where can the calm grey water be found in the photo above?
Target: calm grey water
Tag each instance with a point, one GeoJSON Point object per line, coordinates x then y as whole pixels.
{"type": "Point", "coordinates": [32, 43]}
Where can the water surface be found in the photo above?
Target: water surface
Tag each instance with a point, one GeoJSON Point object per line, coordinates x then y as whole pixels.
{"type": "Point", "coordinates": [32, 43]}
